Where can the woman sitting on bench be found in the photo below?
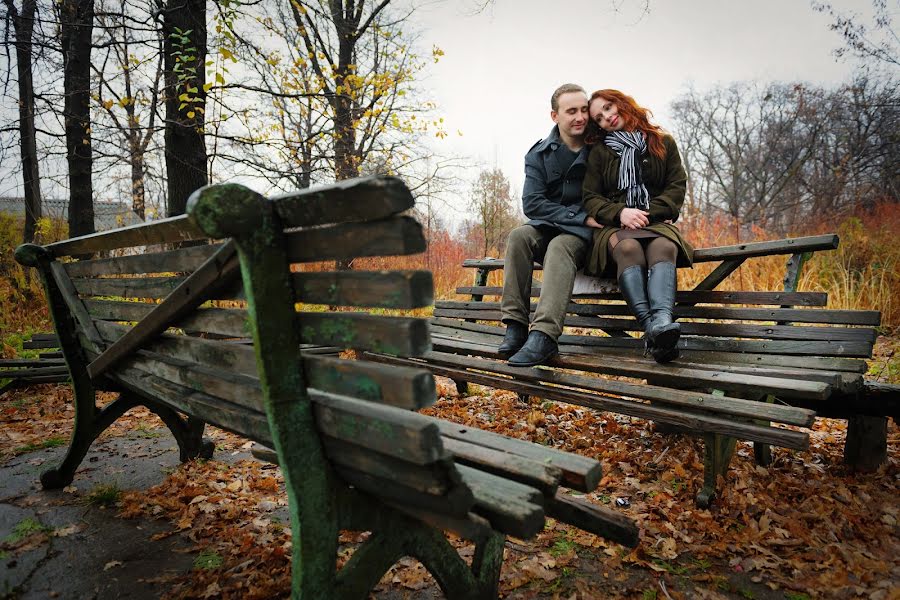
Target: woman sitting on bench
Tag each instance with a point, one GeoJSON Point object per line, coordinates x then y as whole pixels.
{"type": "Point", "coordinates": [633, 191]}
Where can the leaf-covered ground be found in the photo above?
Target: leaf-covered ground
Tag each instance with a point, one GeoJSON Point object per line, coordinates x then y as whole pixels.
{"type": "Point", "coordinates": [804, 527]}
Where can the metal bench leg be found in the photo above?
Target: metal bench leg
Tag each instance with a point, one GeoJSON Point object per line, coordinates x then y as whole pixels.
{"type": "Point", "coordinates": [763, 452]}
{"type": "Point", "coordinates": [188, 432]}
{"type": "Point", "coordinates": [89, 424]}
{"type": "Point", "coordinates": [866, 446]}
{"type": "Point", "coordinates": [719, 450]}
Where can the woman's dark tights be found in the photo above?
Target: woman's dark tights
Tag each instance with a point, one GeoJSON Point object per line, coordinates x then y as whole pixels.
{"type": "Point", "coordinates": [645, 252]}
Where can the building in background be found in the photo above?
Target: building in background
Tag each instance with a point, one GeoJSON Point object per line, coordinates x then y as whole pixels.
{"type": "Point", "coordinates": [107, 215]}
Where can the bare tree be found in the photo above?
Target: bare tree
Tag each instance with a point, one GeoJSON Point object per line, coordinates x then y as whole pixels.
{"type": "Point", "coordinates": [76, 24]}
{"type": "Point", "coordinates": [23, 26]}
{"type": "Point", "coordinates": [877, 41]}
{"type": "Point", "coordinates": [128, 74]}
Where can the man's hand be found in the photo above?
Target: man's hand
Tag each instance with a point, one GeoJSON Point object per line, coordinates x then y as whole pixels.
{"type": "Point", "coordinates": [634, 218]}
{"type": "Point", "coordinates": [592, 222]}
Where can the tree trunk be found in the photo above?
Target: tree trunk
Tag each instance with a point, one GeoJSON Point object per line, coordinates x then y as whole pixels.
{"type": "Point", "coordinates": [185, 145]}
{"type": "Point", "coordinates": [24, 27]}
{"type": "Point", "coordinates": [77, 17]}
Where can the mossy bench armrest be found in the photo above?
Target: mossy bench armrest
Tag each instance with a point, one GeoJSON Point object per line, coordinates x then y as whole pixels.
{"type": "Point", "coordinates": [218, 332]}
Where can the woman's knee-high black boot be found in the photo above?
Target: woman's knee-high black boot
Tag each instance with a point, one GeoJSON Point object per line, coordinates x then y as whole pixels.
{"type": "Point", "coordinates": [662, 332]}
{"type": "Point", "coordinates": [633, 285]}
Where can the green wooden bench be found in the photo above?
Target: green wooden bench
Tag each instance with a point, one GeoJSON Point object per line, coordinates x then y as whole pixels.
{"type": "Point", "coordinates": [197, 320]}
{"type": "Point", "coordinates": [749, 360]}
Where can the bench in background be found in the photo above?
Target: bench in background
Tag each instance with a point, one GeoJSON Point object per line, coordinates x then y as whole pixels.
{"type": "Point", "coordinates": [749, 359]}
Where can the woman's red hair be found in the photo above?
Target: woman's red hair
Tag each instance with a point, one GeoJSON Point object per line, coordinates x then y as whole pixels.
{"type": "Point", "coordinates": [634, 118]}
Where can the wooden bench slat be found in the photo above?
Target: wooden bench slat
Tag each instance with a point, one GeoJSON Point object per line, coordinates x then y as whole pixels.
{"type": "Point", "coordinates": [736, 407]}
{"type": "Point", "coordinates": [216, 273]}
{"type": "Point", "coordinates": [512, 508]}
{"type": "Point", "coordinates": [796, 315]}
{"type": "Point", "coordinates": [379, 289]}
{"type": "Point", "coordinates": [810, 243]}
{"type": "Point", "coordinates": [685, 419]}
{"type": "Point", "coordinates": [772, 332]}
{"type": "Point", "coordinates": [681, 377]}
{"type": "Point", "coordinates": [163, 231]}
{"type": "Point", "coordinates": [394, 236]}
{"type": "Point", "coordinates": [688, 296]}
{"type": "Point", "coordinates": [408, 388]}
{"type": "Point", "coordinates": [361, 331]}
{"type": "Point", "coordinates": [21, 373]}
{"type": "Point", "coordinates": [172, 261]}
{"type": "Point", "coordinates": [9, 363]}
{"type": "Point", "coordinates": [437, 478]}
{"type": "Point", "coordinates": [524, 470]}
{"type": "Point", "coordinates": [456, 505]}
{"type": "Point", "coordinates": [594, 519]}
{"type": "Point", "coordinates": [392, 431]}
{"type": "Point", "coordinates": [339, 202]}
{"type": "Point", "coordinates": [579, 472]}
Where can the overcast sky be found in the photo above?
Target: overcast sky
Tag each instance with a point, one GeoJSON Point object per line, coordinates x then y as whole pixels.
{"type": "Point", "coordinates": [500, 66]}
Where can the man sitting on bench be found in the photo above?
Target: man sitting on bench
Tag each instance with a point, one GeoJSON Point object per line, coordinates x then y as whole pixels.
{"type": "Point", "coordinates": [556, 234]}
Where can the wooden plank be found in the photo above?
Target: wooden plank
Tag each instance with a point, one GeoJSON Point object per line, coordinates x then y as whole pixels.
{"type": "Point", "coordinates": [8, 363]}
{"type": "Point", "coordinates": [131, 287]}
{"type": "Point", "coordinates": [218, 412]}
{"type": "Point", "coordinates": [395, 493]}
{"type": "Point", "coordinates": [359, 199]}
{"type": "Point", "coordinates": [45, 337]}
{"type": "Point", "coordinates": [688, 420]}
{"type": "Point", "coordinates": [39, 372]}
{"type": "Point", "coordinates": [437, 478]}
{"type": "Point", "coordinates": [230, 322]}
{"type": "Point", "coordinates": [172, 261]}
{"type": "Point", "coordinates": [671, 373]}
{"type": "Point", "coordinates": [233, 357]}
{"type": "Point", "coordinates": [800, 315]}
{"type": "Point", "coordinates": [218, 271]}
{"type": "Point", "coordinates": [592, 344]}
{"type": "Point", "coordinates": [689, 296]}
{"type": "Point", "coordinates": [598, 520]}
{"type": "Point", "coordinates": [403, 387]}
{"type": "Point", "coordinates": [173, 229]}
{"type": "Point", "coordinates": [380, 289]}
{"type": "Point", "coordinates": [389, 237]}
{"type": "Point", "coordinates": [771, 332]}
{"type": "Point", "coordinates": [491, 335]}
{"type": "Point", "coordinates": [811, 243]}
{"type": "Point", "coordinates": [524, 470]}
{"type": "Point", "coordinates": [748, 250]}
{"type": "Point", "coordinates": [33, 344]}
{"type": "Point", "coordinates": [392, 431]}
{"type": "Point", "coordinates": [390, 335]}
{"type": "Point", "coordinates": [736, 407]}
{"type": "Point", "coordinates": [578, 472]}
{"type": "Point", "coordinates": [511, 508]}
{"type": "Point", "coordinates": [238, 389]}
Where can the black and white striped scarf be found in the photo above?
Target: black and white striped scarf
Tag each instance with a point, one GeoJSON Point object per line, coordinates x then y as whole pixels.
{"type": "Point", "coordinates": [629, 146]}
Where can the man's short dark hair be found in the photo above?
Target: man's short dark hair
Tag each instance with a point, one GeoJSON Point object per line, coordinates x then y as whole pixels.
{"type": "Point", "coordinates": [565, 88]}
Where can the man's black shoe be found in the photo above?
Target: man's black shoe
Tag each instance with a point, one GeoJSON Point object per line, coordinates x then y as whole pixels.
{"type": "Point", "coordinates": [538, 349]}
{"type": "Point", "coordinates": [516, 334]}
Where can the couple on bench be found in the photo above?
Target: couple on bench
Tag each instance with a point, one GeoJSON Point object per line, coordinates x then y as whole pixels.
{"type": "Point", "coordinates": [602, 192]}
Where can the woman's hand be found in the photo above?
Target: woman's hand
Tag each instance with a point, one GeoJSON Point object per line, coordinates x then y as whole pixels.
{"type": "Point", "coordinates": [592, 222]}
{"type": "Point", "coordinates": [634, 218]}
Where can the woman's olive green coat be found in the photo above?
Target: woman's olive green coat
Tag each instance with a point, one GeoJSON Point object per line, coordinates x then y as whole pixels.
{"type": "Point", "coordinates": [666, 182]}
